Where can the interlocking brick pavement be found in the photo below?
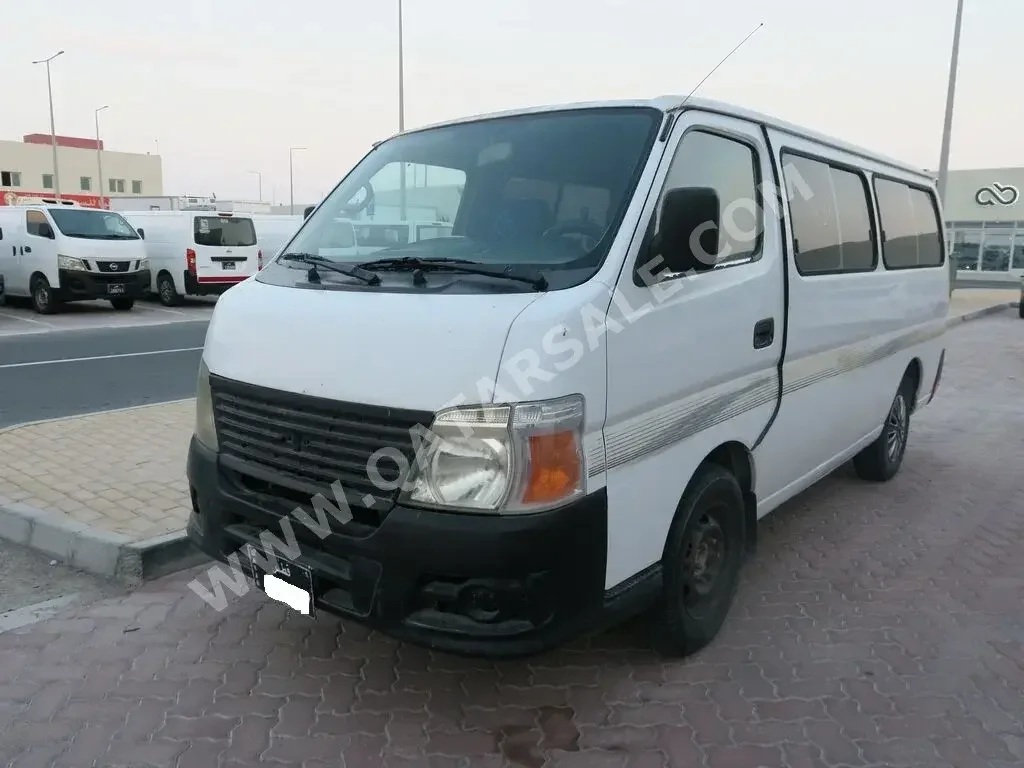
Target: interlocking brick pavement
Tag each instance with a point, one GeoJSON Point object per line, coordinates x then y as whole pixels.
{"type": "Point", "coordinates": [121, 471]}
{"type": "Point", "coordinates": [879, 625]}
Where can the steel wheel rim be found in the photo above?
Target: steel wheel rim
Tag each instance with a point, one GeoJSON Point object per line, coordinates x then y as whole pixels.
{"type": "Point", "coordinates": [165, 290]}
{"type": "Point", "coordinates": [43, 295]}
{"type": "Point", "coordinates": [705, 562]}
{"type": "Point", "coordinates": [896, 427]}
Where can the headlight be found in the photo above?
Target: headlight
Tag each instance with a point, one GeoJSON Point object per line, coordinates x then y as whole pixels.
{"type": "Point", "coordinates": [501, 458]}
{"type": "Point", "coordinates": [70, 263]}
{"type": "Point", "coordinates": [206, 432]}
{"type": "Point", "coordinates": [143, 265]}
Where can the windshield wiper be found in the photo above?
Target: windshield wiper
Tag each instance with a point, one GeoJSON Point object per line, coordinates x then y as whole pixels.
{"type": "Point", "coordinates": [530, 277]}
{"type": "Point", "coordinates": [315, 262]}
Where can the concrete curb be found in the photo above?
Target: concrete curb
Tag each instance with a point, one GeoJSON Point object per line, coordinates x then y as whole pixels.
{"type": "Point", "coordinates": [113, 554]}
{"type": "Point", "coordinates": [974, 314]}
{"type": "Point", "coordinates": [74, 417]}
{"type": "Point", "coordinates": [94, 550]}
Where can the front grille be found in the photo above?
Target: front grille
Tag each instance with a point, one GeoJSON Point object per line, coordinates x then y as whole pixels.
{"type": "Point", "coordinates": [113, 266]}
{"type": "Point", "coordinates": [292, 447]}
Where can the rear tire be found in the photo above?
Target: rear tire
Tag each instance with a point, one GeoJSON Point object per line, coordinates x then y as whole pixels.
{"type": "Point", "coordinates": [43, 299]}
{"type": "Point", "coordinates": [1020, 307]}
{"type": "Point", "coordinates": [701, 565]}
{"type": "Point", "coordinates": [123, 304]}
{"type": "Point", "coordinates": [881, 460]}
{"type": "Point", "coordinates": [166, 291]}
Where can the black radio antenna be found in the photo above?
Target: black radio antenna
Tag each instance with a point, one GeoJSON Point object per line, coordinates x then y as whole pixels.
{"type": "Point", "coordinates": [719, 64]}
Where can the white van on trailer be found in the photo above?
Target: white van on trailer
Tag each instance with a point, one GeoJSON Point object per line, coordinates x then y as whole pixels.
{"type": "Point", "coordinates": [56, 252]}
{"type": "Point", "coordinates": [197, 253]}
{"type": "Point", "coordinates": [582, 402]}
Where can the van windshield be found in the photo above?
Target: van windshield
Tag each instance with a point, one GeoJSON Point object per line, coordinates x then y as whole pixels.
{"type": "Point", "coordinates": [91, 224]}
{"type": "Point", "coordinates": [544, 190]}
{"type": "Point", "coordinates": [224, 231]}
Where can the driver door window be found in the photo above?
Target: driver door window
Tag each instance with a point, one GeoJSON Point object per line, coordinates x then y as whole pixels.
{"type": "Point", "coordinates": [37, 225]}
{"type": "Point", "coordinates": [731, 168]}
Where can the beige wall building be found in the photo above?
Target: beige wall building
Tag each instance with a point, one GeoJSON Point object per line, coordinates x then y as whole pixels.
{"type": "Point", "coordinates": [26, 170]}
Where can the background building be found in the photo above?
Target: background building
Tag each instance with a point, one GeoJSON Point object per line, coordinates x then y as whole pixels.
{"type": "Point", "coordinates": [984, 211]}
{"type": "Point", "coordinates": [26, 170]}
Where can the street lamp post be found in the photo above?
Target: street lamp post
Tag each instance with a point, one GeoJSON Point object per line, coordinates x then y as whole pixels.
{"type": "Point", "coordinates": [401, 109]}
{"type": "Point", "coordinates": [291, 177]}
{"type": "Point", "coordinates": [99, 153]}
{"type": "Point", "coordinates": [947, 126]}
{"type": "Point", "coordinates": [53, 129]}
{"type": "Point", "coordinates": [259, 180]}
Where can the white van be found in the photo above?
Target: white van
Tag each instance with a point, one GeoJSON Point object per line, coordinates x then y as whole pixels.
{"type": "Point", "coordinates": [197, 253]}
{"type": "Point", "coordinates": [60, 253]}
{"type": "Point", "coordinates": [632, 348]}
{"type": "Point", "coordinates": [273, 231]}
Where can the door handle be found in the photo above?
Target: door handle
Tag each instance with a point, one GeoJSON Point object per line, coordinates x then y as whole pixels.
{"type": "Point", "coordinates": [764, 333]}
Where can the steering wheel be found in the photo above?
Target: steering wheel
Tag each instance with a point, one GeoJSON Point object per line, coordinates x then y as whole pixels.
{"type": "Point", "coordinates": [590, 233]}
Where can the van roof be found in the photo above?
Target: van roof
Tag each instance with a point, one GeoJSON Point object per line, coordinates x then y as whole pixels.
{"type": "Point", "coordinates": [668, 104]}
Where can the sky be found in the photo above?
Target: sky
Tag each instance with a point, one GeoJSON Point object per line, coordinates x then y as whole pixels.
{"type": "Point", "coordinates": [222, 89]}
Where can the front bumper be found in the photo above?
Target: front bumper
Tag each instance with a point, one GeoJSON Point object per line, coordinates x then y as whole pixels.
{"type": "Point", "coordinates": [76, 285]}
{"type": "Point", "coordinates": [475, 584]}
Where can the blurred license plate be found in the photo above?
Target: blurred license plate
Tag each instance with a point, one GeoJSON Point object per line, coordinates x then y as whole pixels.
{"type": "Point", "coordinates": [228, 264]}
{"type": "Point", "coordinates": [290, 584]}
{"type": "Point", "coordinates": [115, 289]}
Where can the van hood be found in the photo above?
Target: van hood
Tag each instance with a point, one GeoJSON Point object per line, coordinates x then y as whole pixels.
{"type": "Point", "coordinates": [396, 350]}
{"type": "Point", "coordinates": [103, 250]}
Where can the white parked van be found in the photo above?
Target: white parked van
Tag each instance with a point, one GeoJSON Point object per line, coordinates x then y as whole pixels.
{"type": "Point", "coordinates": [197, 253]}
{"type": "Point", "coordinates": [273, 231]}
{"type": "Point", "coordinates": [59, 253]}
{"type": "Point", "coordinates": [654, 323]}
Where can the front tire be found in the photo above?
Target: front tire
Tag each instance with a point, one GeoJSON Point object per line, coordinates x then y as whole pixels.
{"type": "Point", "coordinates": [701, 565]}
{"type": "Point", "coordinates": [44, 301]}
{"type": "Point", "coordinates": [881, 460]}
{"type": "Point", "coordinates": [166, 291]}
{"type": "Point", "coordinates": [123, 304]}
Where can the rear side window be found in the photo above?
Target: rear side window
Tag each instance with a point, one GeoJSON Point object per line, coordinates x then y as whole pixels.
{"type": "Point", "coordinates": [830, 211]}
{"type": "Point", "coordinates": [224, 231]}
{"type": "Point", "coordinates": [910, 226]}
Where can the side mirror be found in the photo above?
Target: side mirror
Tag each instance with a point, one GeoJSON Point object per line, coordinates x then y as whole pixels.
{"type": "Point", "coordinates": [687, 237]}
{"type": "Point", "coordinates": [45, 230]}
{"type": "Point", "coordinates": [141, 231]}
{"type": "Point", "coordinates": [309, 210]}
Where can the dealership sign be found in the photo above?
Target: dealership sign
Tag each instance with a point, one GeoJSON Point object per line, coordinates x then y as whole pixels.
{"type": "Point", "coordinates": [997, 194]}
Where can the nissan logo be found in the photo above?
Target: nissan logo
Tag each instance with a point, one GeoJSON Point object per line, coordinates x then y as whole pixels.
{"type": "Point", "coordinates": [114, 266]}
{"type": "Point", "coordinates": [996, 194]}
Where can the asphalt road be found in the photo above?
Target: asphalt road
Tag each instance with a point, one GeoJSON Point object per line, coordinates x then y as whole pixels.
{"type": "Point", "coordinates": [56, 374]}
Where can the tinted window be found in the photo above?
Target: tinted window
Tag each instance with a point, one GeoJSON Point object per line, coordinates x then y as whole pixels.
{"type": "Point", "coordinates": [929, 243]}
{"type": "Point", "coordinates": [910, 226]}
{"type": "Point", "coordinates": [503, 183]}
{"type": "Point", "coordinates": [91, 224]}
{"type": "Point", "coordinates": [224, 231]}
{"type": "Point", "coordinates": [730, 168]}
{"type": "Point", "coordinates": [831, 217]}
{"type": "Point", "coordinates": [35, 221]}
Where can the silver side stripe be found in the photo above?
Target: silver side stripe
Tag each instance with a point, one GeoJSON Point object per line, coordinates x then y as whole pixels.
{"type": "Point", "coordinates": [681, 419]}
